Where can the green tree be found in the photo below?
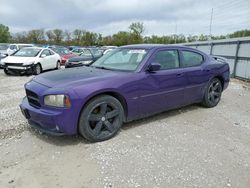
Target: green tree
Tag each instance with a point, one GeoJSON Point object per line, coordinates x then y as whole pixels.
{"type": "Point", "coordinates": [77, 35]}
{"type": "Point", "coordinates": [36, 36]}
{"type": "Point", "coordinates": [242, 33]}
{"type": "Point", "coordinates": [4, 33]}
{"type": "Point", "coordinates": [58, 35]}
{"type": "Point", "coordinates": [50, 35]}
{"type": "Point", "coordinates": [137, 30]}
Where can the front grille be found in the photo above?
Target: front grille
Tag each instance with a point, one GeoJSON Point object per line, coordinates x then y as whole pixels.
{"type": "Point", "coordinates": [33, 99]}
{"type": "Point", "coordinates": [14, 64]}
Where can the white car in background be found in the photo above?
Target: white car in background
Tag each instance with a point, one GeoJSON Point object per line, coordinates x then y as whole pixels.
{"type": "Point", "coordinates": [31, 60]}
{"type": "Point", "coordinates": [15, 47]}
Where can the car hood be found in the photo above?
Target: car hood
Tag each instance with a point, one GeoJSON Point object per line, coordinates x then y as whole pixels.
{"type": "Point", "coordinates": [68, 78]}
{"type": "Point", "coordinates": [67, 56]}
{"type": "Point", "coordinates": [14, 59]}
{"type": "Point", "coordinates": [79, 58]}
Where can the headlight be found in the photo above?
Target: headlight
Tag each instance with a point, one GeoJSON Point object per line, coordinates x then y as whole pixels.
{"type": "Point", "coordinates": [57, 101]}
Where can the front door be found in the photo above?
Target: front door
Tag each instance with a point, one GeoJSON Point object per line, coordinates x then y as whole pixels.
{"type": "Point", "coordinates": [163, 89]}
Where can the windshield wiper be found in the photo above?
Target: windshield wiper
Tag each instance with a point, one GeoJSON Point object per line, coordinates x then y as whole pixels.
{"type": "Point", "coordinates": [101, 67]}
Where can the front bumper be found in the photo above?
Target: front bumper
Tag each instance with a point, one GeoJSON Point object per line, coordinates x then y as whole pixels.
{"type": "Point", "coordinates": [26, 69]}
{"type": "Point", "coordinates": [53, 122]}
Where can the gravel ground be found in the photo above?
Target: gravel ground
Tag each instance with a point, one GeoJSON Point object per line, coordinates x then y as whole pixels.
{"type": "Point", "coordinates": [188, 147]}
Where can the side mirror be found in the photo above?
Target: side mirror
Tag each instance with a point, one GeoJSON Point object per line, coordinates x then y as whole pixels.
{"type": "Point", "coordinates": [43, 55]}
{"type": "Point", "coordinates": [154, 67]}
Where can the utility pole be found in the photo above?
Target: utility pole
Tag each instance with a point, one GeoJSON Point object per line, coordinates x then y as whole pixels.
{"type": "Point", "coordinates": [210, 26]}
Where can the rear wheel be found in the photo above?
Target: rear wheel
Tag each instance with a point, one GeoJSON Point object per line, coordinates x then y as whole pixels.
{"type": "Point", "coordinates": [101, 118]}
{"type": "Point", "coordinates": [37, 69]}
{"type": "Point", "coordinates": [213, 93]}
{"type": "Point", "coordinates": [58, 65]}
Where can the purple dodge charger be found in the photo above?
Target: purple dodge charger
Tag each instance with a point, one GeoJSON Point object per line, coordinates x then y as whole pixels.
{"type": "Point", "coordinates": [129, 83]}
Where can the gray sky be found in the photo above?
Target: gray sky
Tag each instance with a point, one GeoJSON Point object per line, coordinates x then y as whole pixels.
{"type": "Point", "coordinates": [160, 17]}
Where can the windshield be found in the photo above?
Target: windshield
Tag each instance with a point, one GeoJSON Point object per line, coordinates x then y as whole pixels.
{"type": "Point", "coordinates": [121, 59]}
{"type": "Point", "coordinates": [27, 52]}
{"type": "Point", "coordinates": [61, 51]}
{"type": "Point", "coordinates": [4, 46]}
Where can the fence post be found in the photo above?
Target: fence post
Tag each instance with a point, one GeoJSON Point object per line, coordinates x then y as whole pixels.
{"type": "Point", "coordinates": [211, 48]}
{"type": "Point", "coordinates": [236, 58]}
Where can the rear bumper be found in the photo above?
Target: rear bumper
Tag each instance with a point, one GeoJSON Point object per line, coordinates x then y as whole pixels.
{"type": "Point", "coordinates": [53, 122]}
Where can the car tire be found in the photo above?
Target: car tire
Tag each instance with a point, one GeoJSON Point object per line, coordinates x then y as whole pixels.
{"type": "Point", "coordinates": [37, 69]}
{"type": "Point", "coordinates": [6, 72]}
{"type": "Point", "coordinates": [58, 65]}
{"type": "Point", "coordinates": [101, 118]}
{"type": "Point", "coordinates": [213, 93]}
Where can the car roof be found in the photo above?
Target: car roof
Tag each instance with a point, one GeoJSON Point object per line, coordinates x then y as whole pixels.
{"type": "Point", "coordinates": [22, 44]}
{"type": "Point", "coordinates": [152, 46]}
{"type": "Point", "coordinates": [39, 48]}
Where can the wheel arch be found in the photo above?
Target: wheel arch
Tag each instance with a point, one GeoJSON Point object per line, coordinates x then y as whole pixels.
{"type": "Point", "coordinates": [114, 94]}
{"type": "Point", "coordinates": [40, 64]}
{"type": "Point", "coordinates": [221, 80]}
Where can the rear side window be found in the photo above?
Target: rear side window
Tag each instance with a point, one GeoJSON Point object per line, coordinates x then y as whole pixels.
{"type": "Point", "coordinates": [168, 59]}
{"type": "Point", "coordinates": [46, 52]}
{"type": "Point", "coordinates": [191, 59]}
{"type": "Point", "coordinates": [51, 53]}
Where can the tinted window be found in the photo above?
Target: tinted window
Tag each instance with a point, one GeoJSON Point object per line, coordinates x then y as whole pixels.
{"type": "Point", "coordinates": [168, 59]}
{"type": "Point", "coordinates": [191, 59]}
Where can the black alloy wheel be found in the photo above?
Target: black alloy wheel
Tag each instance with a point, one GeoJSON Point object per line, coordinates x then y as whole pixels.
{"type": "Point", "coordinates": [101, 118]}
{"type": "Point", "coordinates": [213, 93]}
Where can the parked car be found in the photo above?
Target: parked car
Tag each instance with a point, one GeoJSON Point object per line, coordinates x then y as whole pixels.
{"type": "Point", "coordinates": [77, 51]}
{"type": "Point", "coordinates": [3, 49]}
{"type": "Point", "coordinates": [88, 56]}
{"type": "Point", "coordinates": [2, 56]}
{"type": "Point", "coordinates": [64, 53]}
{"type": "Point", "coordinates": [129, 83]}
{"type": "Point", "coordinates": [31, 60]}
{"type": "Point", "coordinates": [15, 47]}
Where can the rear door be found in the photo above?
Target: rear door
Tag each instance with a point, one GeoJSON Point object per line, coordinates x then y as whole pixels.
{"type": "Point", "coordinates": [196, 78]}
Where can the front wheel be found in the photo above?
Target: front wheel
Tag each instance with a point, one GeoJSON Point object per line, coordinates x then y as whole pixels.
{"type": "Point", "coordinates": [101, 118]}
{"type": "Point", "coordinates": [213, 93]}
{"type": "Point", "coordinates": [6, 72]}
{"type": "Point", "coordinates": [38, 69]}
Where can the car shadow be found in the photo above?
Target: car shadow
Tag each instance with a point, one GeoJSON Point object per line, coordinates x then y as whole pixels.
{"type": "Point", "coordinates": [77, 139]}
{"type": "Point", "coordinates": [161, 116]}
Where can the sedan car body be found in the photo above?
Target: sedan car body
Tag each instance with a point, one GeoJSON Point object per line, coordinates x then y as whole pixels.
{"type": "Point", "coordinates": [64, 53]}
{"type": "Point", "coordinates": [15, 47]}
{"type": "Point", "coordinates": [3, 49]}
{"type": "Point", "coordinates": [89, 55]}
{"type": "Point", "coordinates": [31, 60]}
{"type": "Point", "coordinates": [129, 83]}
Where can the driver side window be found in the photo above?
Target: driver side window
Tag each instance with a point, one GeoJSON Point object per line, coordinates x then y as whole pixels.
{"type": "Point", "coordinates": [168, 59]}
